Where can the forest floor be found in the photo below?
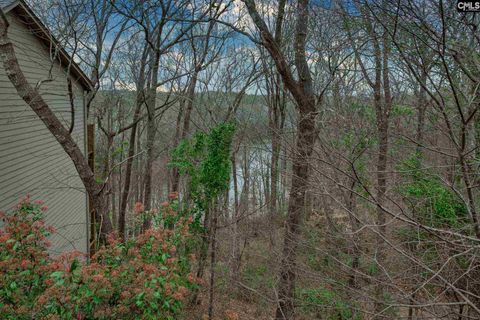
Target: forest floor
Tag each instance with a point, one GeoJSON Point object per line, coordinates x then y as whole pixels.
{"type": "Point", "coordinates": [230, 307]}
{"type": "Point", "coordinates": [253, 296]}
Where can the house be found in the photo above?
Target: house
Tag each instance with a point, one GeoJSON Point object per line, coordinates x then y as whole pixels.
{"type": "Point", "coordinates": [31, 160]}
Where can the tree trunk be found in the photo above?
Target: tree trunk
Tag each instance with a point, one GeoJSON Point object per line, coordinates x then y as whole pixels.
{"type": "Point", "coordinates": [113, 204]}
{"type": "Point", "coordinates": [128, 169]}
{"type": "Point", "coordinates": [300, 168]}
{"type": "Point", "coordinates": [175, 174]}
{"type": "Point", "coordinates": [245, 195]}
{"type": "Point", "coordinates": [422, 107]}
{"type": "Point", "coordinates": [147, 200]}
{"type": "Point", "coordinates": [274, 174]}
{"type": "Point", "coordinates": [205, 243]}
{"type": "Point", "coordinates": [190, 96]}
{"type": "Point", "coordinates": [189, 106]}
{"type": "Point", "coordinates": [383, 115]}
{"type": "Point", "coordinates": [381, 216]}
{"type": "Point", "coordinates": [302, 92]}
{"type": "Point", "coordinates": [277, 121]}
{"type": "Point", "coordinates": [105, 176]}
{"type": "Point", "coordinates": [151, 132]}
{"type": "Point", "coordinates": [235, 260]}
{"type": "Point", "coordinates": [213, 231]}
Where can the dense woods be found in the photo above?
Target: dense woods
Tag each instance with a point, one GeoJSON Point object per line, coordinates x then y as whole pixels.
{"type": "Point", "coordinates": [264, 160]}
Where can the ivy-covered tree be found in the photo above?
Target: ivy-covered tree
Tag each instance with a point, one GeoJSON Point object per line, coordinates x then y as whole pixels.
{"type": "Point", "coordinates": [205, 161]}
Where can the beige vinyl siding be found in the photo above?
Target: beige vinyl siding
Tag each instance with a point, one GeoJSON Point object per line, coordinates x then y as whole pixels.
{"type": "Point", "coordinates": [31, 160]}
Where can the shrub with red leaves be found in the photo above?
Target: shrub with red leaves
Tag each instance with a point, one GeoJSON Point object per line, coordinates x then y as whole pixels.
{"type": "Point", "coordinates": [24, 261]}
{"type": "Point", "coordinates": [147, 277]}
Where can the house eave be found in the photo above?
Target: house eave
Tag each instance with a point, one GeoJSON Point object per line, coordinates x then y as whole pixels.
{"type": "Point", "coordinates": [28, 17]}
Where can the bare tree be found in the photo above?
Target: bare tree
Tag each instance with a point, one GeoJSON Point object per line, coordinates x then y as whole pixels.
{"type": "Point", "coordinates": [306, 101]}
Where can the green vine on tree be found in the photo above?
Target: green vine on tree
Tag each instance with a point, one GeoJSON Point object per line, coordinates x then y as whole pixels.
{"type": "Point", "coordinates": [205, 160]}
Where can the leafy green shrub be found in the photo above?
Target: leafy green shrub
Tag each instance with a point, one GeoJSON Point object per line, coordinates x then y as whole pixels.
{"type": "Point", "coordinates": [402, 110]}
{"type": "Point", "coordinates": [324, 303]}
{"type": "Point", "coordinates": [147, 277]}
{"type": "Point", "coordinates": [435, 204]}
{"type": "Point", "coordinates": [258, 277]}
